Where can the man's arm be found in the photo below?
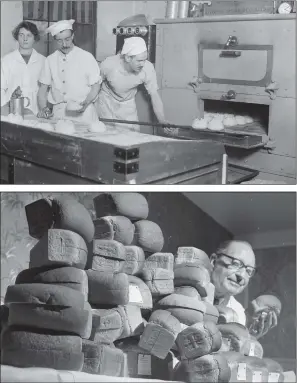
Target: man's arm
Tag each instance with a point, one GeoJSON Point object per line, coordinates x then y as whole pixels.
{"type": "Point", "coordinates": [158, 107]}
{"type": "Point", "coordinates": [95, 88]}
{"type": "Point", "coordinates": [44, 111]}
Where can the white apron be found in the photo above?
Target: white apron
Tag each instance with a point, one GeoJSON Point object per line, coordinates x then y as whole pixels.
{"type": "Point", "coordinates": [108, 107]}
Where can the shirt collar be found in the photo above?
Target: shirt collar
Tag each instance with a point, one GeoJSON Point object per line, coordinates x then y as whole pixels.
{"type": "Point", "coordinates": [33, 58]}
{"type": "Point", "coordinates": [70, 54]}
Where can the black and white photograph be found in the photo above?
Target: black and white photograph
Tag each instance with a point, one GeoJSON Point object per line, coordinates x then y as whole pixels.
{"type": "Point", "coordinates": [148, 92]}
{"type": "Point", "coordinates": [148, 287]}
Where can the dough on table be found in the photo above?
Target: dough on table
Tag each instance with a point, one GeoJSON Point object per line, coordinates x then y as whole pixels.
{"type": "Point", "coordinates": [73, 106]}
{"type": "Point", "coordinates": [200, 123]}
{"type": "Point", "coordinates": [46, 126]}
{"type": "Point", "coordinates": [216, 124]}
{"type": "Point", "coordinates": [97, 126]}
{"type": "Point", "coordinates": [15, 119]}
{"type": "Point", "coordinates": [65, 127]}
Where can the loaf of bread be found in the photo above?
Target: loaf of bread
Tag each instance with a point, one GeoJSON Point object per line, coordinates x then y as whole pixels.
{"type": "Point", "coordinates": [160, 333]}
{"type": "Point", "coordinates": [148, 235]}
{"type": "Point", "coordinates": [59, 247]}
{"type": "Point", "coordinates": [198, 340]}
{"type": "Point", "coordinates": [59, 213]}
{"type": "Point", "coordinates": [134, 261]}
{"type": "Point", "coordinates": [131, 205]}
{"type": "Point", "coordinates": [191, 274]}
{"type": "Point", "coordinates": [193, 255]}
{"type": "Point", "coordinates": [116, 228]}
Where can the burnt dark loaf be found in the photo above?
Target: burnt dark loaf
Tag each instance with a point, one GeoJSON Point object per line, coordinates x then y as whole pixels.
{"type": "Point", "coordinates": [44, 294]}
{"type": "Point", "coordinates": [106, 288]}
{"type": "Point", "coordinates": [64, 213]}
{"type": "Point", "coordinates": [108, 255]}
{"type": "Point", "coordinates": [193, 255]}
{"type": "Point", "coordinates": [246, 368]}
{"type": "Point", "coordinates": [103, 359]}
{"type": "Point", "coordinates": [141, 364]}
{"type": "Point", "coordinates": [226, 315]}
{"type": "Point", "coordinates": [120, 322]}
{"type": "Point", "coordinates": [159, 281]}
{"type": "Point", "coordinates": [208, 368]}
{"type": "Point", "coordinates": [117, 228]}
{"type": "Point", "coordinates": [187, 310]}
{"type": "Point", "coordinates": [131, 205]}
{"type": "Point", "coordinates": [64, 276]}
{"type": "Point", "coordinates": [190, 274]}
{"type": "Point", "coordinates": [160, 333]}
{"type": "Point", "coordinates": [31, 347]}
{"type": "Point", "coordinates": [198, 340]}
{"type": "Point", "coordinates": [59, 247]}
{"type": "Point", "coordinates": [76, 320]}
{"type": "Point", "coordinates": [234, 337]}
{"type": "Point", "coordinates": [134, 261]}
{"type": "Point", "coordinates": [148, 235]}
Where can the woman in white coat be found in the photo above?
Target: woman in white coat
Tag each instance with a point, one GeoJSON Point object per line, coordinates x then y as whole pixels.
{"type": "Point", "coordinates": [20, 69]}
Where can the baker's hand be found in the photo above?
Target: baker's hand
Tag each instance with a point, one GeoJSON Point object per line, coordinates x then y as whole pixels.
{"type": "Point", "coordinates": [168, 129]}
{"type": "Point", "coordinates": [266, 322]}
{"type": "Point", "coordinates": [84, 106]}
{"type": "Point", "coordinates": [17, 93]}
{"type": "Point", "coordinates": [45, 113]}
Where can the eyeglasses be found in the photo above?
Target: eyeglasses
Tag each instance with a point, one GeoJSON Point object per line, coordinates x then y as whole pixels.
{"type": "Point", "coordinates": [237, 264]}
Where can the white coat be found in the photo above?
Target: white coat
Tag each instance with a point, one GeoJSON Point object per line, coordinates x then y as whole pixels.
{"type": "Point", "coordinates": [16, 72]}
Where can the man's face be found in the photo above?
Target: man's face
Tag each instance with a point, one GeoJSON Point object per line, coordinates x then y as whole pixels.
{"type": "Point", "coordinates": [64, 41]}
{"type": "Point", "coordinates": [227, 280]}
{"type": "Point", "coordinates": [137, 62]}
{"type": "Point", "coordinates": [25, 39]}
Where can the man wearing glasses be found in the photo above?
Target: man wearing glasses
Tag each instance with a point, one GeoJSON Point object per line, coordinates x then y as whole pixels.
{"type": "Point", "coordinates": [233, 267]}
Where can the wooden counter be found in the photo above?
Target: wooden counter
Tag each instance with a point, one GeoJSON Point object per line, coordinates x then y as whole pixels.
{"type": "Point", "coordinates": [118, 156]}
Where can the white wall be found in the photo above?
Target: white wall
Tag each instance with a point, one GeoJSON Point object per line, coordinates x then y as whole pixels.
{"type": "Point", "coordinates": [110, 13]}
{"type": "Point", "coordinates": [11, 15]}
{"type": "Point", "coordinates": [270, 239]}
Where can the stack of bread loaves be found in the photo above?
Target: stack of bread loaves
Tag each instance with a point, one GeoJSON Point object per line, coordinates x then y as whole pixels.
{"type": "Point", "coordinates": [48, 310]}
{"type": "Point", "coordinates": [242, 350]}
{"type": "Point", "coordinates": [128, 271]}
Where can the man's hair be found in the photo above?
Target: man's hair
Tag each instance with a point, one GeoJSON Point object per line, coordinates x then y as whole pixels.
{"type": "Point", "coordinates": [224, 245]}
{"type": "Point", "coordinates": [29, 26]}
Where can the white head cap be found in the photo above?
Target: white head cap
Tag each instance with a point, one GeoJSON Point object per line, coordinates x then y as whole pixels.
{"type": "Point", "coordinates": [60, 26]}
{"type": "Point", "coordinates": [134, 46]}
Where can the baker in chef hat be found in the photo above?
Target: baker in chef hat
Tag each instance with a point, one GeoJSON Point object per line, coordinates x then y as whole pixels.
{"type": "Point", "coordinates": [62, 31]}
{"type": "Point", "coordinates": [134, 52]}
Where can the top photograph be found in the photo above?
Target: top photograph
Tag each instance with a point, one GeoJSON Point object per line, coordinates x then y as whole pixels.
{"type": "Point", "coordinates": [148, 92]}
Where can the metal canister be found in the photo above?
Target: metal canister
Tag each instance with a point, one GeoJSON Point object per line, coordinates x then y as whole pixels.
{"type": "Point", "coordinates": [17, 105]}
{"type": "Point", "coordinates": [183, 9]}
{"type": "Point", "coordinates": [172, 9]}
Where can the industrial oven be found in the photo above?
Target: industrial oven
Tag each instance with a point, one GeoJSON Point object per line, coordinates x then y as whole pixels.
{"type": "Point", "coordinates": [139, 26]}
{"type": "Point", "coordinates": [242, 65]}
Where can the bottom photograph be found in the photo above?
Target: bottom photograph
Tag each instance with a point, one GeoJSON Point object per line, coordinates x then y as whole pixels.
{"type": "Point", "coordinates": [148, 287]}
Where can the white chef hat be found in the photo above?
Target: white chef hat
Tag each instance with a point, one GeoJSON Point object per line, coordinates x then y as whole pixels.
{"type": "Point", "coordinates": [60, 26]}
{"type": "Point", "coordinates": [134, 46]}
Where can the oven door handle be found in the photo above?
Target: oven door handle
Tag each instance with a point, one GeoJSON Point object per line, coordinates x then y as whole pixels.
{"type": "Point", "coordinates": [230, 54]}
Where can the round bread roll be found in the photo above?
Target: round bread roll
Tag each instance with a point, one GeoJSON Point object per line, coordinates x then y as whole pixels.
{"type": "Point", "coordinates": [65, 127]}
{"type": "Point", "coordinates": [97, 127]}
{"type": "Point", "coordinates": [249, 119]}
{"type": "Point", "coordinates": [240, 120]}
{"type": "Point", "coordinates": [200, 123]}
{"type": "Point", "coordinates": [229, 121]}
{"type": "Point", "coordinates": [215, 124]}
{"type": "Point", "coordinates": [265, 303]}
